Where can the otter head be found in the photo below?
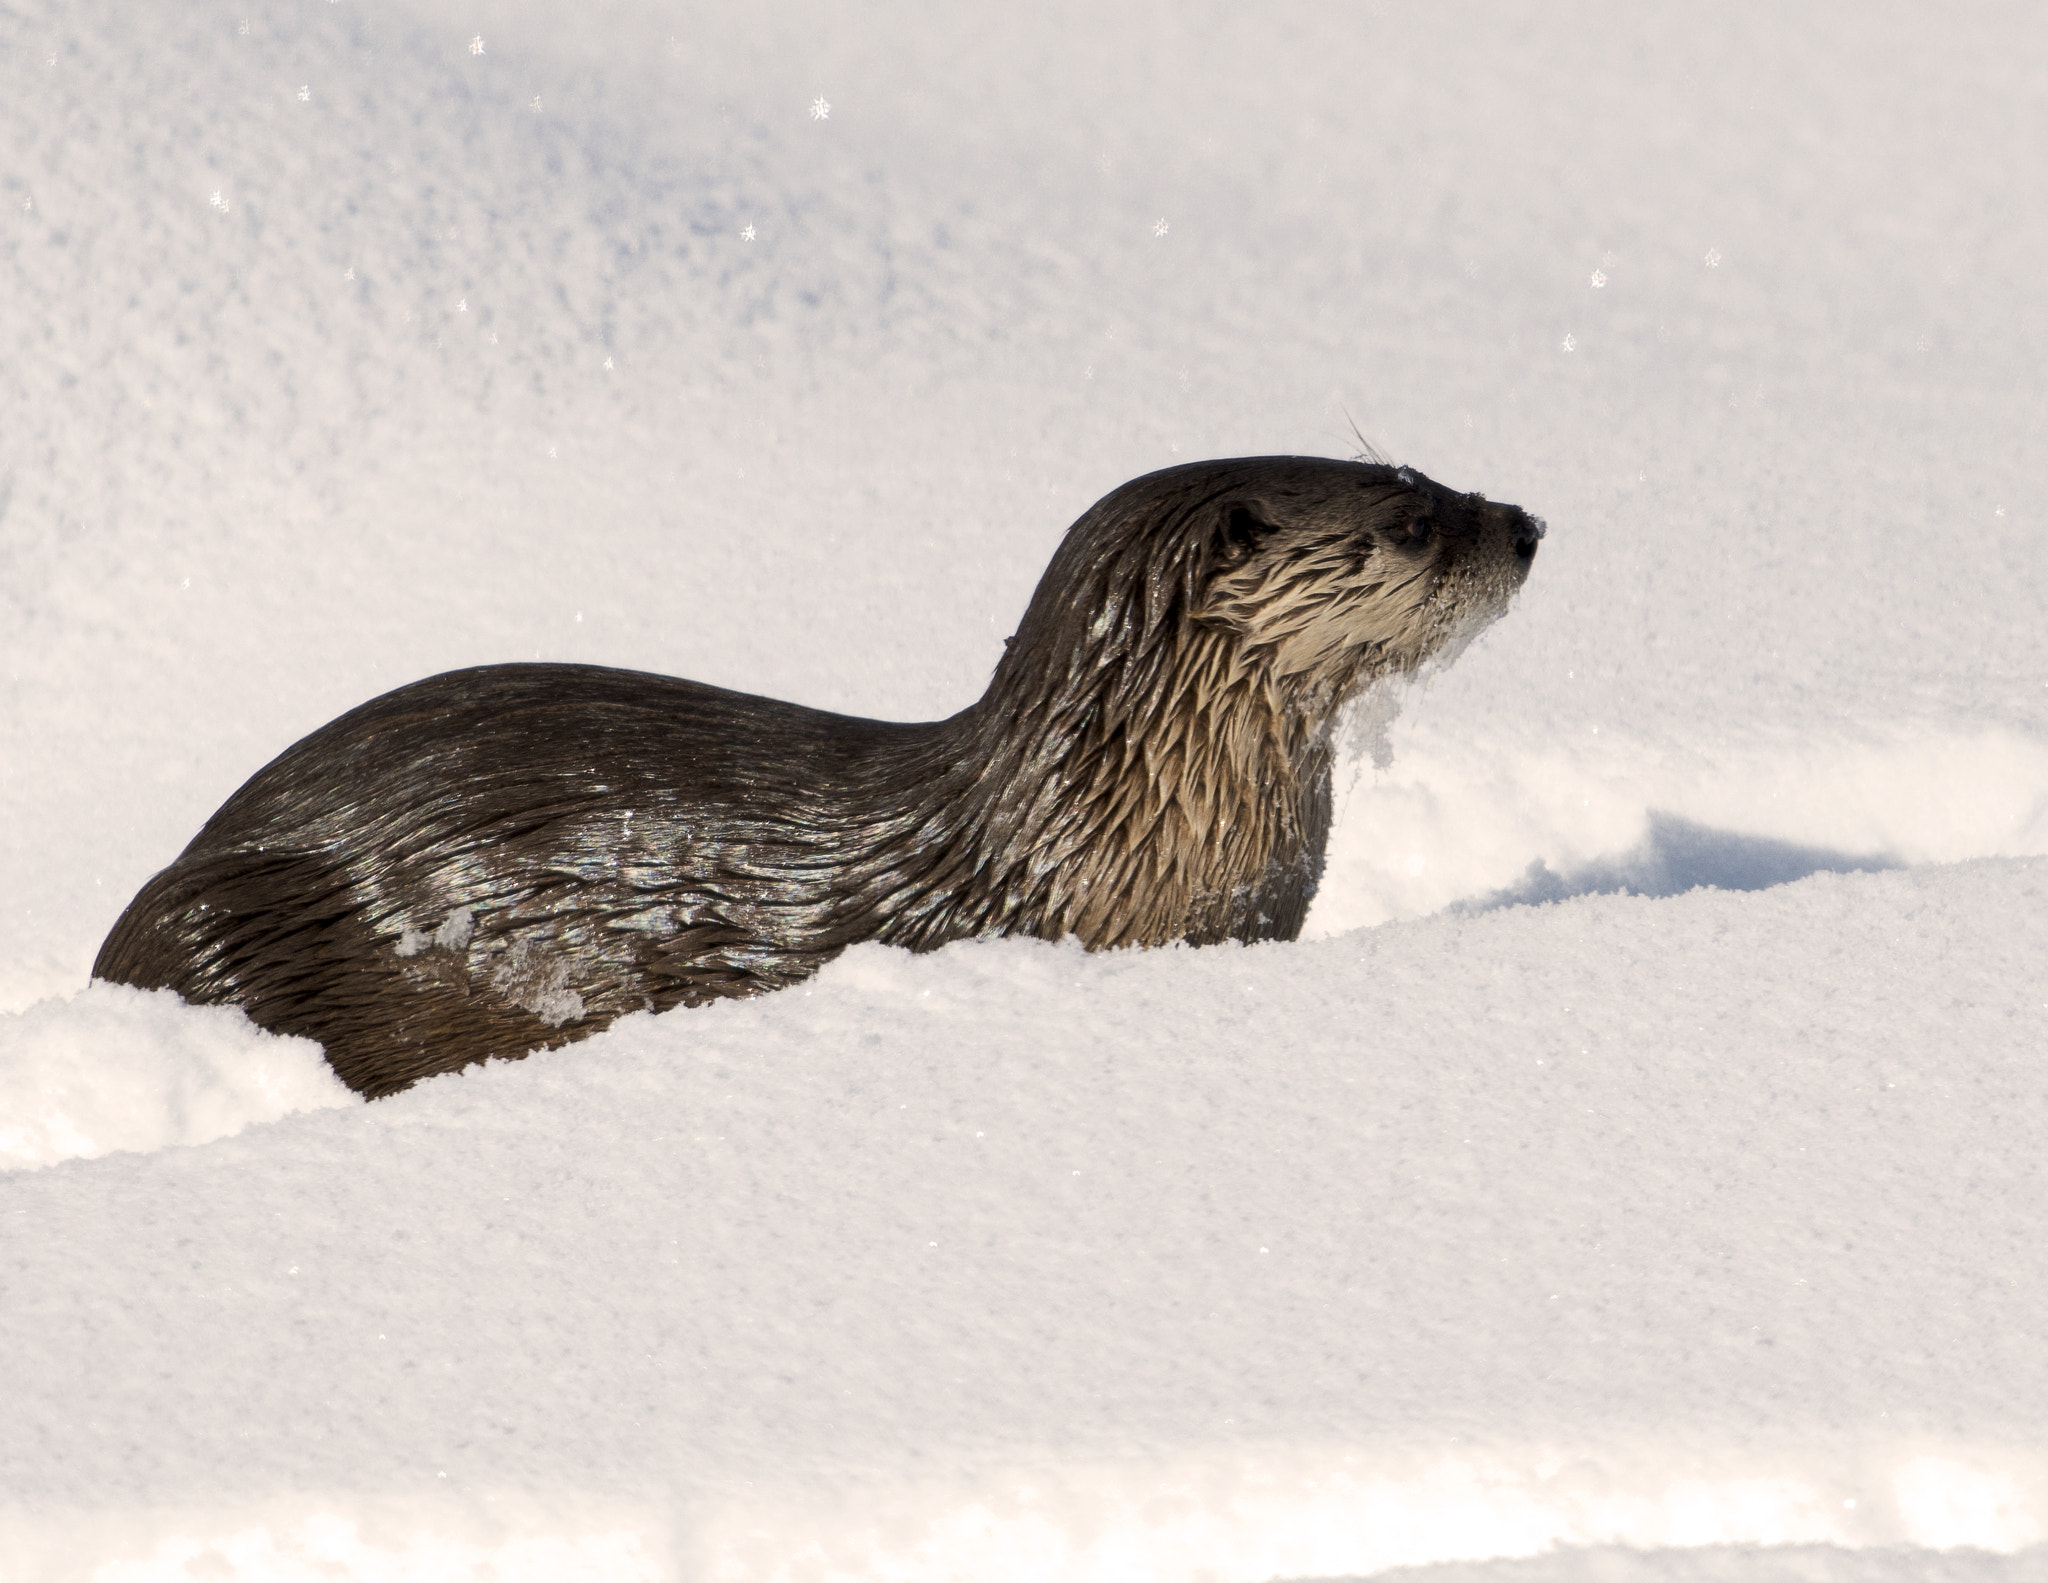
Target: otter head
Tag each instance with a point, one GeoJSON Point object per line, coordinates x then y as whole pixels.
{"type": "Point", "coordinates": [1152, 759]}
{"type": "Point", "coordinates": [1297, 578]}
{"type": "Point", "coordinates": [1330, 574]}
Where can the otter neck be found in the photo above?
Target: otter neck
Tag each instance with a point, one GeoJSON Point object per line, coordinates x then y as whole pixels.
{"type": "Point", "coordinates": [1162, 794]}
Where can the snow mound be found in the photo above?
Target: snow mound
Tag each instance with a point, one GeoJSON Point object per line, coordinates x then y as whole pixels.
{"type": "Point", "coordinates": [1530, 813]}
{"type": "Point", "coordinates": [113, 1067]}
{"type": "Point", "coordinates": [1736, 1564]}
{"type": "Point", "coordinates": [1708, 1220]}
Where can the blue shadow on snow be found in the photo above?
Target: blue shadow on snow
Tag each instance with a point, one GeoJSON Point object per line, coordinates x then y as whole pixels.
{"type": "Point", "coordinates": [1677, 856]}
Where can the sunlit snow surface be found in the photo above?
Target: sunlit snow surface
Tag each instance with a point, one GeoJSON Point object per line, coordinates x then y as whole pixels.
{"type": "Point", "coordinates": [1542, 1215]}
{"type": "Point", "coordinates": [119, 1068]}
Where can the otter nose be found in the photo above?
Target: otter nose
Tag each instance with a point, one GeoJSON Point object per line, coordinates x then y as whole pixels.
{"type": "Point", "coordinates": [1522, 531]}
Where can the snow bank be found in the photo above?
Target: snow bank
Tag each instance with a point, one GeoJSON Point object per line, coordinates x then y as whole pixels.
{"type": "Point", "coordinates": [1458, 818]}
{"type": "Point", "coordinates": [1203, 1523]}
{"type": "Point", "coordinates": [1016, 1261]}
{"type": "Point", "coordinates": [119, 1068]}
{"type": "Point", "coordinates": [1732, 1564]}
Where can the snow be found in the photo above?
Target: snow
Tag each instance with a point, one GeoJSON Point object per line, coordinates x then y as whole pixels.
{"type": "Point", "coordinates": [113, 1067]}
{"type": "Point", "coordinates": [1011, 1261]}
{"type": "Point", "coordinates": [1540, 1215]}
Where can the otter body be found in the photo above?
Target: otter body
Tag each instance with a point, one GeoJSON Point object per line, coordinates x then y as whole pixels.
{"type": "Point", "coordinates": [509, 857]}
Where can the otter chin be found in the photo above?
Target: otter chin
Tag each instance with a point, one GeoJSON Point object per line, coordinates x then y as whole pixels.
{"type": "Point", "coordinates": [509, 857]}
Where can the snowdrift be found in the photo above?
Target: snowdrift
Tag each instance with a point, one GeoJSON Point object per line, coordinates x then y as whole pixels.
{"type": "Point", "coordinates": [1635, 1173]}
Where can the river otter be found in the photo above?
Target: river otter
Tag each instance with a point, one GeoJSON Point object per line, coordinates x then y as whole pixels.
{"type": "Point", "coordinates": [509, 857]}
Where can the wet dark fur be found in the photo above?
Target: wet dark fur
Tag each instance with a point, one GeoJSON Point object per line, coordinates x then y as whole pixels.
{"type": "Point", "coordinates": [509, 857]}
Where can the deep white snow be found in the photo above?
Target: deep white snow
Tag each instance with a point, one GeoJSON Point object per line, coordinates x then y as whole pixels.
{"type": "Point", "coordinates": [1541, 1215]}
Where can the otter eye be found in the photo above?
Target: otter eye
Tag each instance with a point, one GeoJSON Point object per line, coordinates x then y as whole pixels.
{"type": "Point", "coordinates": [1419, 530]}
{"type": "Point", "coordinates": [1244, 530]}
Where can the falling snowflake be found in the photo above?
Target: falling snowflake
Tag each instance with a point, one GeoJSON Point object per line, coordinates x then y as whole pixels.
{"type": "Point", "coordinates": [1713, 258]}
{"type": "Point", "coordinates": [243, 30]}
{"type": "Point", "coordinates": [747, 235]}
{"type": "Point", "coordinates": [305, 93]}
{"type": "Point", "coordinates": [1599, 278]}
{"type": "Point", "coordinates": [1571, 343]}
{"type": "Point", "coordinates": [476, 45]}
{"type": "Point", "coordinates": [219, 202]}
{"type": "Point", "coordinates": [535, 106]}
{"type": "Point", "coordinates": [1159, 228]}
{"type": "Point", "coordinates": [462, 305]}
{"type": "Point", "coordinates": [607, 362]}
{"type": "Point", "coordinates": [820, 110]}
{"type": "Point", "coordinates": [349, 273]}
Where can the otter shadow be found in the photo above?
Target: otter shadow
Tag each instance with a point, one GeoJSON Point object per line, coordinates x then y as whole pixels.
{"type": "Point", "coordinates": [1677, 856]}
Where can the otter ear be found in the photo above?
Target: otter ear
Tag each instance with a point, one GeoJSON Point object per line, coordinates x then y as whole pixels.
{"type": "Point", "coordinates": [1242, 527]}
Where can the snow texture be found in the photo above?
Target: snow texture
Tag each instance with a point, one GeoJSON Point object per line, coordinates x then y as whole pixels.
{"type": "Point", "coordinates": [1635, 1174]}
{"type": "Point", "coordinates": [119, 1068]}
